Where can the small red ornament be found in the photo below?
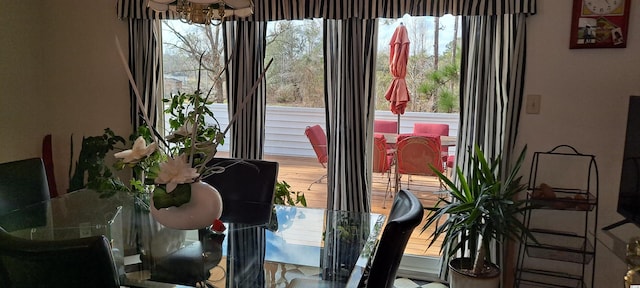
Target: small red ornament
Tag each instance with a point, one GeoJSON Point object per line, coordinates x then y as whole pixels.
{"type": "Point", "coordinates": [218, 226]}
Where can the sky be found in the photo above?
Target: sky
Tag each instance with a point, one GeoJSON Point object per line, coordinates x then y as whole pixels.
{"type": "Point", "coordinates": [420, 31]}
{"type": "Point", "coordinates": [419, 28]}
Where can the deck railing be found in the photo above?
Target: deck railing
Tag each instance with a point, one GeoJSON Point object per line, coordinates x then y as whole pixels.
{"type": "Point", "coordinates": [284, 133]}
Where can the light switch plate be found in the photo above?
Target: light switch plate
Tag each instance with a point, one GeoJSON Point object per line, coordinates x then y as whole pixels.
{"type": "Point", "coordinates": [533, 104]}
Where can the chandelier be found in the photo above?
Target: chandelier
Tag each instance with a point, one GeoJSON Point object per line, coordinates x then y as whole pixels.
{"type": "Point", "coordinates": [204, 11]}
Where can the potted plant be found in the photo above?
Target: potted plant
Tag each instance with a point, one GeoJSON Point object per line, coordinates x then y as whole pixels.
{"type": "Point", "coordinates": [482, 208]}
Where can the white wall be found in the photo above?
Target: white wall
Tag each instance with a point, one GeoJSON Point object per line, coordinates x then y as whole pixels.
{"type": "Point", "coordinates": [59, 74]}
{"type": "Point", "coordinates": [584, 104]}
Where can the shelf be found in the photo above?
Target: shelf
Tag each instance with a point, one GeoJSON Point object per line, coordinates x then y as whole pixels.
{"type": "Point", "coordinates": [543, 278]}
{"type": "Point", "coordinates": [560, 246]}
{"type": "Point", "coordinates": [566, 199]}
{"type": "Point", "coordinates": [558, 188]}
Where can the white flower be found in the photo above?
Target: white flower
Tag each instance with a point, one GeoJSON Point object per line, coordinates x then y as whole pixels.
{"type": "Point", "coordinates": [184, 131]}
{"type": "Point", "coordinates": [176, 171]}
{"type": "Point", "coordinates": [138, 151]}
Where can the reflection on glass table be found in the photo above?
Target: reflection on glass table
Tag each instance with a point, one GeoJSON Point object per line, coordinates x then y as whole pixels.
{"type": "Point", "coordinates": [309, 243]}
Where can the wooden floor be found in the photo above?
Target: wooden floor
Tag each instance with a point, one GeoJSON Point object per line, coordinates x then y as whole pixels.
{"type": "Point", "coordinates": [299, 172]}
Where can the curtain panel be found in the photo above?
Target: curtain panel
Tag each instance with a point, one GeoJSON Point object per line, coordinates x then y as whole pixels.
{"type": "Point", "coordinates": [145, 59]}
{"type": "Point", "coordinates": [340, 9]}
{"type": "Point", "coordinates": [350, 58]}
{"type": "Point", "coordinates": [245, 47]}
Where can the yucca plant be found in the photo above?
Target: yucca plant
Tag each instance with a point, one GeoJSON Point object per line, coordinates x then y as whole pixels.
{"type": "Point", "coordinates": [481, 208]}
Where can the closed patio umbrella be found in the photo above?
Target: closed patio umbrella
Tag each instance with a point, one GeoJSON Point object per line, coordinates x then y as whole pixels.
{"type": "Point", "coordinates": [398, 94]}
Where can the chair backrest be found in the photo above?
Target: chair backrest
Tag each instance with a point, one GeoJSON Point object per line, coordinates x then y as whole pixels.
{"type": "Point", "coordinates": [247, 188]}
{"type": "Point", "coordinates": [431, 128]}
{"type": "Point", "coordinates": [385, 126]}
{"type": "Point", "coordinates": [405, 214]}
{"type": "Point", "coordinates": [47, 158]}
{"type": "Point", "coordinates": [318, 140]}
{"type": "Point", "coordinates": [415, 155]}
{"type": "Point", "coordinates": [22, 183]}
{"type": "Point", "coordinates": [381, 159]}
{"type": "Point", "coordinates": [80, 262]}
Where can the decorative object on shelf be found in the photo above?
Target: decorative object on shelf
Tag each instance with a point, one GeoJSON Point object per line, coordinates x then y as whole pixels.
{"type": "Point", "coordinates": [204, 11]}
{"type": "Point", "coordinates": [482, 209]}
{"type": "Point", "coordinates": [599, 23]}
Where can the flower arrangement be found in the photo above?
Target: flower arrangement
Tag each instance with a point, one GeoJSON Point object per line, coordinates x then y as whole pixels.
{"type": "Point", "coordinates": [181, 158]}
{"type": "Point", "coordinates": [170, 165]}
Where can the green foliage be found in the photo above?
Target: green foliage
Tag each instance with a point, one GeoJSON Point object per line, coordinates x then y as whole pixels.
{"type": "Point", "coordinates": [482, 208]}
{"type": "Point", "coordinates": [91, 170]}
{"type": "Point", "coordinates": [187, 110]}
{"type": "Point", "coordinates": [284, 196]}
{"type": "Point", "coordinates": [448, 101]}
{"type": "Point", "coordinates": [177, 197]}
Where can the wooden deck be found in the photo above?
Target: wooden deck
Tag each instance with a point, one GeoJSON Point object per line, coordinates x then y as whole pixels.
{"type": "Point", "coordinates": [299, 172]}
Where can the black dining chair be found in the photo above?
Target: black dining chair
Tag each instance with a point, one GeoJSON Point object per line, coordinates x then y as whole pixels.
{"type": "Point", "coordinates": [405, 215]}
{"type": "Point", "coordinates": [80, 262]}
{"type": "Point", "coordinates": [247, 188]}
{"type": "Point", "coordinates": [22, 183]}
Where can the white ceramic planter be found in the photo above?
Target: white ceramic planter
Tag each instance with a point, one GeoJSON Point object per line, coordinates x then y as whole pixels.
{"type": "Point", "coordinates": [204, 207]}
{"type": "Point", "coordinates": [461, 280]}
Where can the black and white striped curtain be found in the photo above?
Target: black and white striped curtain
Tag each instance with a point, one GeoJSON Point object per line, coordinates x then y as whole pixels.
{"type": "Point", "coordinates": [493, 61]}
{"type": "Point", "coordinates": [354, 9]}
{"type": "Point", "coordinates": [350, 54]}
{"type": "Point", "coordinates": [245, 45]}
{"type": "Point", "coordinates": [145, 59]}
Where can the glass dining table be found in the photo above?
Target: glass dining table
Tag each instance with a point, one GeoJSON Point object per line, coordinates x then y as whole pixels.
{"type": "Point", "coordinates": [298, 242]}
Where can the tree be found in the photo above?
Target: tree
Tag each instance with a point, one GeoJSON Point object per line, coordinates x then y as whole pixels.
{"type": "Point", "coordinates": [182, 53]}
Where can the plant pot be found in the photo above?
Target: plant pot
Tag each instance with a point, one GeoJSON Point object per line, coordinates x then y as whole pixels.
{"type": "Point", "coordinates": [461, 276]}
{"type": "Point", "coordinates": [204, 207]}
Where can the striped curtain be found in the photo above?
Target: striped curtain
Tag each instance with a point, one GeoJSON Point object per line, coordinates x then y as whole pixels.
{"type": "Point", "coordinates": [339, 9]}
{"type": "Point", "coordinates": [350, 54]}
{"type": "Point", "coordinates": [145, 62]}
{"type": "Point", "coordinates": [367, 9]}
{"type": "Point", "coordinates": [245, 46]}
{"type": "Point", "coordinates": [493, 60]}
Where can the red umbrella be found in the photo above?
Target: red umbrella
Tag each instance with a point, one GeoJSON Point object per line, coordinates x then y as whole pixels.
{"type": "Point", "coordinates": [398, 94]}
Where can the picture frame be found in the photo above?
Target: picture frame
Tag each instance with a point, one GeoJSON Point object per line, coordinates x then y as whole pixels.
{"type": "Point", "coordinates": [599, 24]}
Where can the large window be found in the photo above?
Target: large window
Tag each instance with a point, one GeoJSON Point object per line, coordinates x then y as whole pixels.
{"type": "Point", "coordinates": [295, 79]}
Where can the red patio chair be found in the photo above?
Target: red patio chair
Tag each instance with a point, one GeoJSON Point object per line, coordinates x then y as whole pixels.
{"type": "Point", "coordinates": [416, 155]}
{"type": "Point", "coordinates": [385, 126]}
{"type": "Point", "coordinates": [382, 161]}
{"type": "Point", "coordinates": [318, 140]}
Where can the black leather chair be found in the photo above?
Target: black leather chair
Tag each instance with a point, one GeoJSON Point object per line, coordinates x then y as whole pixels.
{"type": "Point", "coordinates": [405, 214]}
{"type": "Point", "coordinates": [22, 182]}
{"type": "Point", "coordinates": [247, 188]}
{"type": "Point", "coordinates": [81, 262]}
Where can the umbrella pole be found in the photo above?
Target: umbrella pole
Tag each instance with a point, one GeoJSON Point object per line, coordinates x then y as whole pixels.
{"type": "Point", "coordinates": [396, 157]}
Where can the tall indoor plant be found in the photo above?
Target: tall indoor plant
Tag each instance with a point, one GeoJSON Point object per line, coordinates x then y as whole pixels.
{"type": "Point", "coordinates": [482, 208]}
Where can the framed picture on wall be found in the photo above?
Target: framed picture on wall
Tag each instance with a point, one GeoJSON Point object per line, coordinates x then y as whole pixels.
{"type": "Point", "coordinates": [599, 24]}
